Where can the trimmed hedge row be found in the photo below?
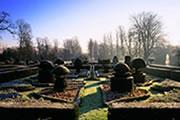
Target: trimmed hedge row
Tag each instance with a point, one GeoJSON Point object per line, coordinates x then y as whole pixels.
{"type": "Point", "coordinates": [15, 74]}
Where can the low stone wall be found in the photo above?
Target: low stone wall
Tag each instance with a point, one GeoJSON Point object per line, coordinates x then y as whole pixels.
{"type": "Point", "coordinates": [164, 72]}
{"type": "Point", "coordinates": [175, 75]}
{"type": "Point", "coordinates": [35, 111]}
{"type": "Point", "coordinates": [144, 111]}
{"type": "Point", "coordinates": [15, 74]}
{"type": "Point", "coordinates": [13, 67]}
{"type": "Point", "coordinates": [165, 66]}
{"type": "Point", "coordinates": [8, 66]}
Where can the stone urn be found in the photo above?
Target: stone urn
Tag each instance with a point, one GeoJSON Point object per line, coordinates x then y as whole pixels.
{"type": "Point", "coordinates": [59, 61]}
{"type": "Point", "coordinates": [45, 71]}
{"type": "Point", "coordinates": [127, 60]}
{"type": "Point", "coordinates": [123, 80]}
{"type": "Point", "coordinates": [115, 60]}
{"type": "Point", "coordinates": [78, 65]}
{"type": "Point", "coordinates": [139, 64]}
{"type": "Point", "coordinates": [60, 73]}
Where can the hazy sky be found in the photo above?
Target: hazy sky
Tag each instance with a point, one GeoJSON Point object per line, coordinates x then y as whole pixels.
{"type": "Point", "coordinates": [62, 19]}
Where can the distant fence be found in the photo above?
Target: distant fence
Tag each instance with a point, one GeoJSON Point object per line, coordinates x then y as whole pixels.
{"type": "Point", "coordinates": [171, 72]}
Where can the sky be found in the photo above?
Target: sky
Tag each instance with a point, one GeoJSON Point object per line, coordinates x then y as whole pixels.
{"type": "Point", "coordinates": [85, 19]}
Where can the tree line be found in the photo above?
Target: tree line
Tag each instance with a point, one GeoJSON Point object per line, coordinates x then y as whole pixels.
{"type": "Point", "coordinates": [140, 40]}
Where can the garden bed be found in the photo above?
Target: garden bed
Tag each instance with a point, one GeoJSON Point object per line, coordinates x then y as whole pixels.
{"type": "Point", "coordinates": [165, 91]}
{"type": "Point", "coordinates": [18, 101]}
{"type": "Point", "coordinates": [68, 95]}
{"type": "Point", "coordinates": [110, 97]}
{"type": "Point", "coordinates": [71, 94]}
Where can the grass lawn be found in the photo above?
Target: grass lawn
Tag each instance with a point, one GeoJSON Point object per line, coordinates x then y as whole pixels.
{"type": "Point", "coordinates": [91, 107]}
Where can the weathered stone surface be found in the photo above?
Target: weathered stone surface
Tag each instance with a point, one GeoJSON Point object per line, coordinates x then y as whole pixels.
{"type": "Point", "coordinates": [37, 110]}
{"type": "Point", "coordinates": [35, 104]}
{"type": "Point", "coordinates": [60, 75]}
{"type": "Point", "coordinates": [122, 84]}
{"type": "Point", "coordinates": [46, 65]}
{"type": "Point", "coordinates": [45, 71]}
{"type": "Point", "coordinates": [121, 68]}
{"type": "Point", "coordinates": [158, 105]}
{"type": "Point", "coordinates": [164, 71]}
{"type": "Point", "coordinates": [61, 70]}
{"type": "Point", "coordinates": [59, 61]}
{"type": "Point", "coordinates": [115, 60]}
{"type": "Point", "coordinates": [138, 64]}
{"type": "Point", "coordinates": [78, 65]}
{"type": "Point", "coordinates": [139, 77]}
{"type": "Point", "coordinates": [128, 61]}
{"type": "Point", "coordinates": [122, 80]}
{"type": "Point", "coordinates": [144, 111]}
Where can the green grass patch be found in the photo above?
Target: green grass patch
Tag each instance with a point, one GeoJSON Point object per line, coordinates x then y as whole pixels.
{"type": "Point", "coordinates": [97, 114]}
{"type": "Point", "coordinates": [91, 107]}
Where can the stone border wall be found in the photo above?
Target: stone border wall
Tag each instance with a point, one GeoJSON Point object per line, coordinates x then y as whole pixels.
{"type": "Point", "coordinates": [144, 111]}
{"type": "Point", "coordinates": [35, 111]}
{"type": "Point", "coordinates": [164, 72]}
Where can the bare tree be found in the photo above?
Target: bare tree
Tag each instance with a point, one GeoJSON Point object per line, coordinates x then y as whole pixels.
{"type": "Point", "coordinates": [72, 48]}
{"type": "Point", "coordinates": [121, 38]}
{"type": "Point", "coordinates": [10, 54]}
{"type": "Point", "coordinates": [105, 48]}
{"type": "Point", "coordinates": [102, 52]}
{"type": "Point", "coordinates": [129, 42]}
{"type": "Point", "coordinates": [91, 49]}
{"type": "Point", "coordinates": [133, 46]}
{"type": "Point", "coordinates": [96, 50]}
{"type": "Point", "coordinates": [44, 48]}
{"type": "Point", "coordinates": [6, 23]}
{"type": "Point", "coordinates": [111, 46]}
{"type": "Point", "coordinates": [117, 44]}
{"type": "Point", "coordinates": [148, 29]}
{"type": "Point", "coordinates": [24, 34]}
{"type": "Point", "coordinates": [56, 48]}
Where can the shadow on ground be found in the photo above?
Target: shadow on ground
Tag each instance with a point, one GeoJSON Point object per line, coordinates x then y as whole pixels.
{"type": "Point", "coordinates": [91, 101]}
